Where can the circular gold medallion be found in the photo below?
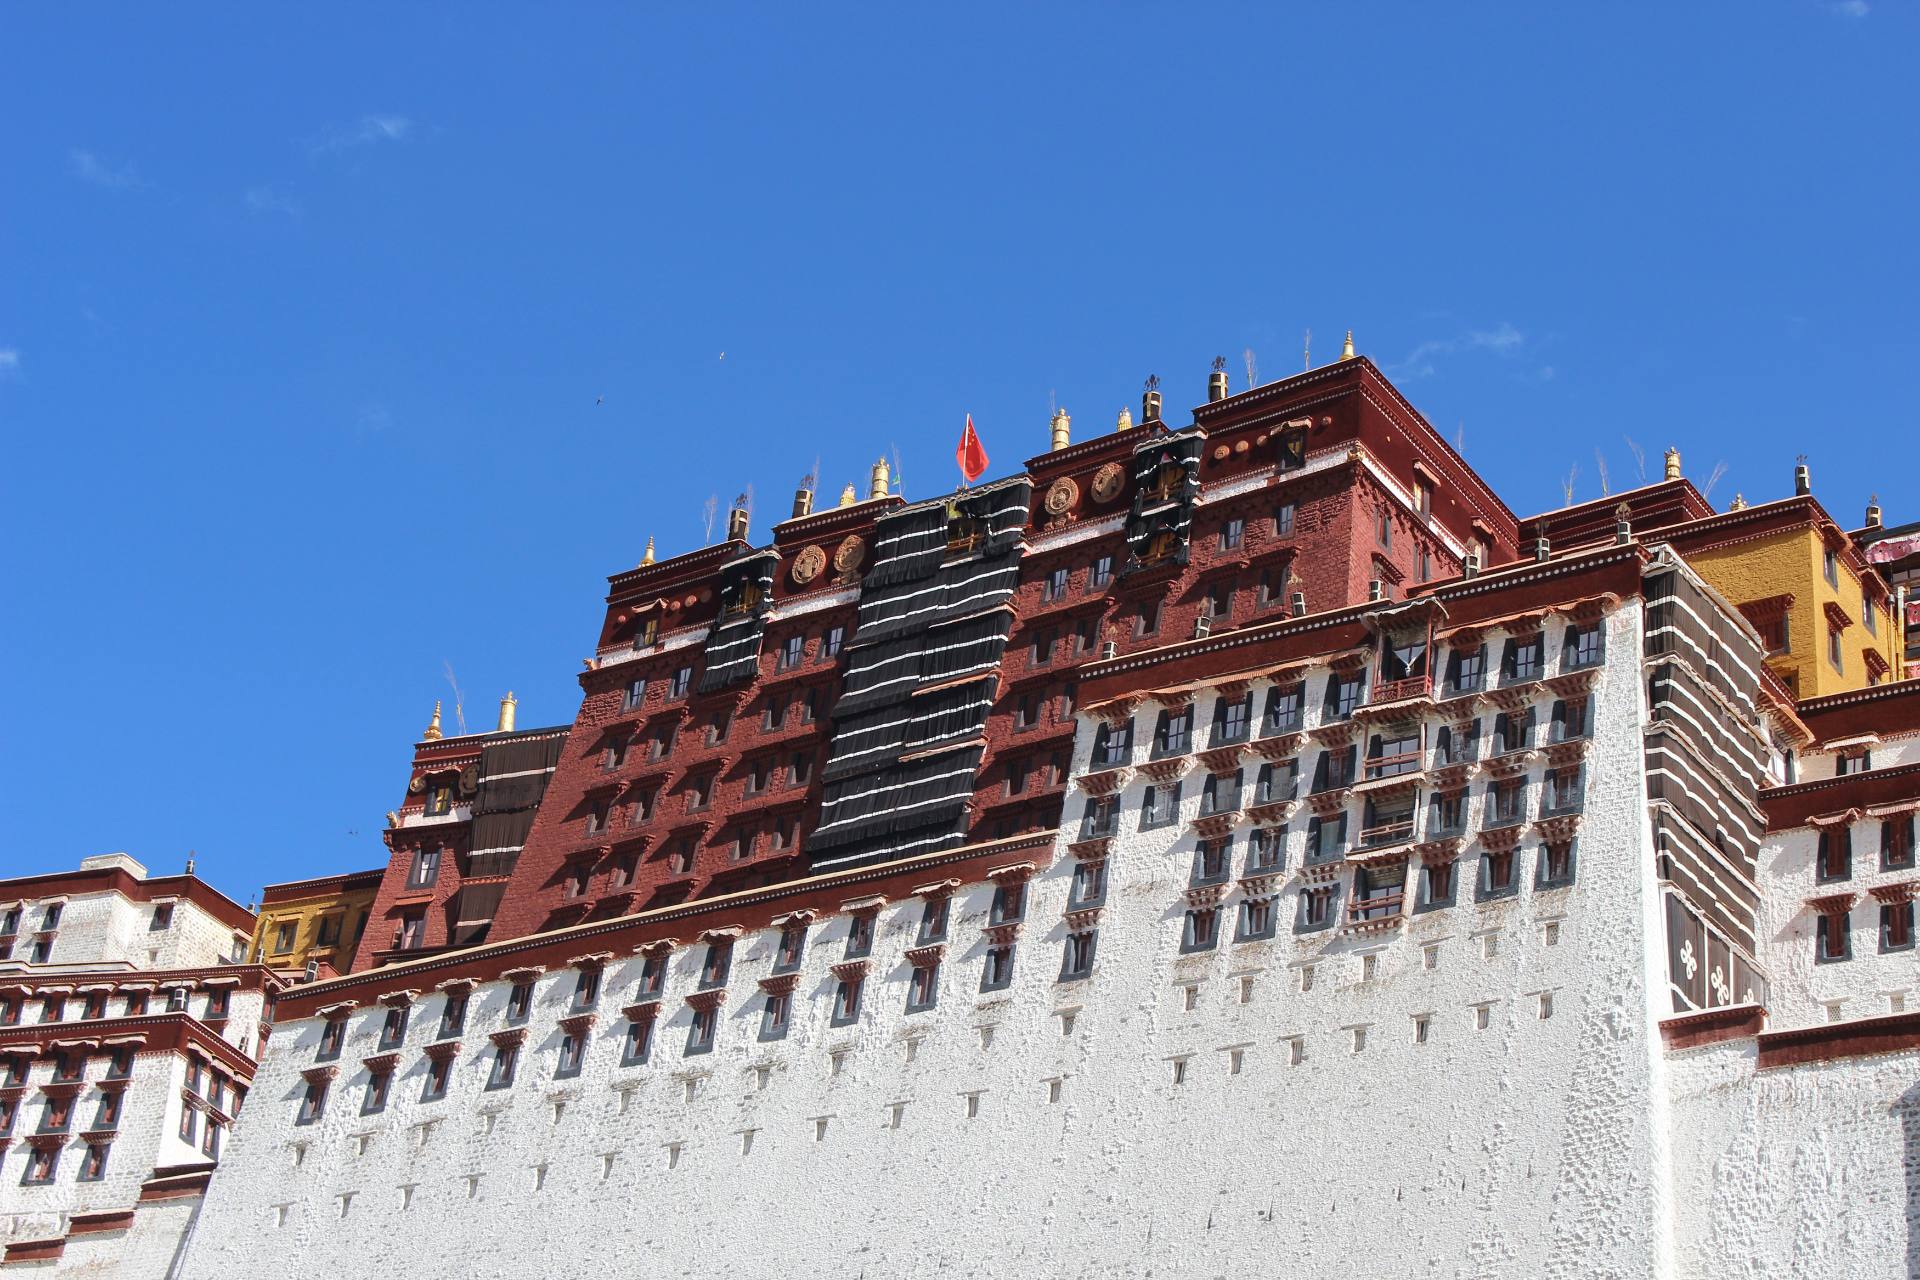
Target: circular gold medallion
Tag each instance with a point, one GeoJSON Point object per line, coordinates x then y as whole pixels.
{"type": "Point", "coordinates": [850, 554]}
{"type": "Point", "coordinates": [1108, 481]}
{"type": "Point", "coordinates": [1061, 495]}
{"type": "Point", "coordinates": [808, 564]}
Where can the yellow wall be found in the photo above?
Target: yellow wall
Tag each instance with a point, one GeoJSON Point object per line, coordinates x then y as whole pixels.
{"type": "Point", "coordinates": [349, 906]}
{"type": "Point", "coordinates": [1792, 563]}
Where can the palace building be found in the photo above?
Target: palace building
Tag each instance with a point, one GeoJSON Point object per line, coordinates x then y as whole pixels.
{"type": "Point", "coordinates": [129, 1026]}
{"type": "Point", "coordinates": [1245, 839]}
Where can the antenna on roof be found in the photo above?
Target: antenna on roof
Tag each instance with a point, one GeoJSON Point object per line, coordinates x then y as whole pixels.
{"type": "Point", "coordinates": [459, 713]}
{"type": "Point", "coordinates": [1253, 369]}
{"type": "Point", "coordinates": [899, 485]}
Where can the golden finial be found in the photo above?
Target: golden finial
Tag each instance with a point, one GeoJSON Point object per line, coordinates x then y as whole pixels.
{"type": "Point", "coordinates": [647, 559]}
{"type": "Point", "coordinates": [847, 495]}
{"type": "Point", "coordinates": [1673, 463]}
{"type": "Point", "coordinates": [1346, 348]}
{"type": "Point", "coordinates": [508, 705]}
{"type": "Point", "coordinates": [433, 726]}
{"type": "Point", "coordinates": [1062, 427]}
{"type": "Point", "coordinates": [879, 486]}
{"type": "Point", "coordinates": [1125, 420]}
{"type": "Point", "coordinates": [1739, 502]}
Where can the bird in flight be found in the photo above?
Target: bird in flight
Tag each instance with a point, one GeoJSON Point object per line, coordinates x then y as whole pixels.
{"type": "Point", "coordinates": [599, 399]}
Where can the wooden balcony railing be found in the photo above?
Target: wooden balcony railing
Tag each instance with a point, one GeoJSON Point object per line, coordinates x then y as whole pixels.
{"type": "Point", "coordinates": [1401, 690]}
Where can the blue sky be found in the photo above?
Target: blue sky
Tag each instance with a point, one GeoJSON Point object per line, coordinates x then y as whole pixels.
{"type": "Point", "coordinates": [306, 316]}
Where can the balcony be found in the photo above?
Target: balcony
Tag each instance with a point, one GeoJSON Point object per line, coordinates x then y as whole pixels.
{"type": "Point", "coordinates": [1392, 766]}
{"type": "Point", "coordinates": [1406, 690]}
{"type": "Point", "coordinates": [1388, 831]}
{"type": "Point", "coordinates": [1382, 912]}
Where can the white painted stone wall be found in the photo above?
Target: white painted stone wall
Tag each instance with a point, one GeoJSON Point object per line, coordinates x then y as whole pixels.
{"type": "Point", "coordinates": [109, 929]}
{"type": "Point", "coordinates": [1811, 1171]}
{"type": "Point", "coordinates": [939, 1145]}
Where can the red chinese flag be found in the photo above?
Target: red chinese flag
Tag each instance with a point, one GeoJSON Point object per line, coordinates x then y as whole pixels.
{"type": "Point", "coordinates": [971, 454]}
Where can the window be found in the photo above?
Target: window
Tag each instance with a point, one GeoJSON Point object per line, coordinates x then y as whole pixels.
{"type": "Point", "coordinates": [653, 974]}
{"type": "Point", "coordinates": [453, 1015]}
{"type": "Point", "coordinates": [719, 724]}
{"type": "Point", "coordinates": [1054, 586]}
{"type": "Point", "coordinates": [1293, 450]}
{"type": "Point", "coordinates": [1389, 819]}
{"type": "Point", "coordinates": [332, 1037]}
{"type": "Point", "coordinates": [1326, 838]}
{"type": "Point", "coordinates": [1159, 805]}
{"type": "Point", "coordinates": [1423, 497]}
{"type": "Point", "coordinates": [330, 927]}
{"type": "Point", "coordinates": [1852, 762]}
{"type": "Point", "coordinates": [1830, 565]}
{"type": "Point", "coordinates": [1378, 893]}
{"type": "Point", "coordinates": [634, 695]}
{"type": "Point", "coordinates": [1026, 712]}
{"type": "Point", "coordinates": [1896, 843]}
{"type": "Point", "coordinates": [313, 1103]}
{"type": "Point", "coordinates": [1100, 573]}
{"type": "Point", "coordinates": [58, 1115]}
{"type": "Point", "coordinates": [1277, 782]}
{"type": "Point", "coordinates": [1512, 732]}
{"type": "Point", "coordinates": [1146, 619]}
{"type": "Point", "coordinates": [586, 987]}
{"type": "Point", "coordinates": [759, 774]}
{"type": "Point", "coordinates": [1447, 814]}
{"type": "Point", "coordinates": [846, 1000]}
{"type": "Point", "coordinates": [1836, 853]}
{"type": "Point", "coordinates": [378, 1083]}
{"type": "Point", "coordinates": [1383, 525]}
{"type": "Point", "coordinates": [162, 917]}
{"type": "Point", "coordinates": [1393, 752]}
{"type": "Point", "coordinates": [923, 987]}
{"type": "Point", "coordinates": [1522, 659]}
{"type": "Point", "coordinates": [506, 1058]}
{"type": "Point", "coordinates": [1286, 708]}
{"type": "Point", "coordinates": [1283, 520]}
{"type": "Point", "coordinates": [1211, 862]}
{"type": "Point", "coordinates": [579, 876]}
{"type": "Point", "coordinates": [1273, 586]}
{"type": "Point", "coordinates": [1113, 745]}
{"type": "Point", "coordinates": [1076, 962]}
{"type": "Point", "coordinates": [699, 793]}
{"type": "Point", "coordinates": [701, 1031]}
{"type": "Point", "coordinates": [107, 1114]}
{"type": "Point", "coordinates": [54, 1008]}
{"type": "Point", "coordinates": [1220, 793]}
{"type": "Point", "coordinates": [809, 706]}
{"type": "Point", "coordinates": [1425, 565]}
{"type": "Point", "coordinates": [1232, 720]}
{"type": "Point", "coordinates": [284, 935]}
{"type": "Point", "coordinates": [1436, 886]}
{"type": "Point", "coordinates": [997, 974]}
{"type": "Point", "coordinates": [1896, 925]}
{"type": "Point", "coordinates": [933, 920]}
{"type": "Point", "coordinates": [1089, 887]}
{"type": "Point", "coordinates": [1466, 670]}
{"type": "Point", "coordinates": [218, 1002]}
{"type": "Point", "coordinates": [1218, 602]}
{"type": "Point", "coordinates": [678, 684]}
{"type": "Point", "coordinates": [792, 651]}
{"type": "Point", "coordinates": [793, 945]}
{"type": "Point", "coordinates": [1173, 733]}
{"type": "Point", "coordinates": [1201, 930]}
{"type": "Point", "coordinates": [1343, 695]}
{"type": "Point", "coordinates": [1009, 903]}
{"type": "Point", "coordinates": [426, 868]}
{"type": "Point", "coordinates": [660, 742]}
{"type": "Point", "coordinates": [573, 1052]}
{"type": "Point", "coordinates": [1582, 648]}
{"type": "Point", "coordinates": [1564, 791]}
{"type": "Point", "coordinates": [1042, 651]}
{"type": "Point", "coordinates": [520, 1001]}
{"type": "Point", "coordinates": [1506, 801]}
{"type": "Point", "coordinates": [1232, 534]}
{"type": "Point", "coordinates": [41, 1163]}
{"type": "Point", "coordinates": [831, 642]}
{"type": "Point", "coordinates": [775, 1014]}
{"type": "Point", "coordinates": [439, 1075]}
{"type": "Point", "coordinates": [799, 769]}
{"type": "Point", "coordinates": [860, 935]}
{"type": "Point", "coordinates": [394, 1029]}
{"type": "Point", "coordinates": [718, 961]}
{"type": "Point", "coordinates": [1833, 939]}
{"type": "Point", "coordinates": [1256, 919]}
{"type": "Point", "coordinates": [1834, 650]}
{"type": "Point", "coordinates": [1334, 770]}
{"type": "Point", "coordinates": [120, 1063]}
{"type": "Point", "coordinates": [1556, 865]}
{"type": "Point", "coordinates": [1316, 912]}
{"type": "Point", "coordinates": [1497, 876]}
{"type": "Point", "coordinates": [599, 809]}
{"type": "Point", "coordinates": [1572, 718]}
{"type": "Point", "coordinates": [1266, 850]}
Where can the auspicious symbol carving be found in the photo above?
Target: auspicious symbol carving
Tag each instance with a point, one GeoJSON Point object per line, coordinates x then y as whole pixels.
{"type": "Point", "coordinates": [1061, 495]}
{"type": "Point", "coordinates": [469, 779]}
{"type": "Point", "coordinates": [1108, 481]}
{"type": "Point", "coordinates": [808, 564]}
{"type": "Point", "coordinates": [850, 554]}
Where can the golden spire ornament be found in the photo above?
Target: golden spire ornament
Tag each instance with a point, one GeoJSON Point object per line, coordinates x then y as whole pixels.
{"type": "Point", "coordinates": [433, 733]}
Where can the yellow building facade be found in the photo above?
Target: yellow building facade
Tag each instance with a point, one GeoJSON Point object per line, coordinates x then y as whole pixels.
{"type": "Point", "coordinates": [317, 921]}
{"type": "Point", "coordinates": [1824, 615]}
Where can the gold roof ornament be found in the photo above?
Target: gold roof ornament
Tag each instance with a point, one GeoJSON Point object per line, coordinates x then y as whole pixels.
{"type": "Point", "coordinates": [508, 706]}
{"type": "Point", "coordinates": [1739, 502]}
{"type": "Point", "coordinates": [1125, 421]}
{"type": "Point", "coordinates": [1346, 348]}
{"type": "Point", "coordinates": [1062, 429]}
{"type": "Point", "coordinates": [433, 733]}
{"type": "Point", "coordinates": [848, 496]}
{"type": "Point", "coordinates": [1673, 463]}
{"type": "Point", "coordinates": [646, 557]}
{"type": "Point", "coordinates": [879, 486]}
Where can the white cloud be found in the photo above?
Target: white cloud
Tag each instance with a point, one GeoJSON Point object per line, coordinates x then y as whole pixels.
{"type": "Point", "coordinates": [267, 200]}
{"type": "Point", "coordinates": [1503, 339]}
{"type": "Point", "coordinates": [1851, 8]}
{"type": "Point", "coordinates": [9, 362]}
{"type": "Point", "coordinates": [367, 131]}
{"type": "Point", "coordinates": [90, 168]}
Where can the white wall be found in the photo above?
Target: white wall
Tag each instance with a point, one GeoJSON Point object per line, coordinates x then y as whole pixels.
{"type": "Point", "coordinates": [1533, 1147]}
